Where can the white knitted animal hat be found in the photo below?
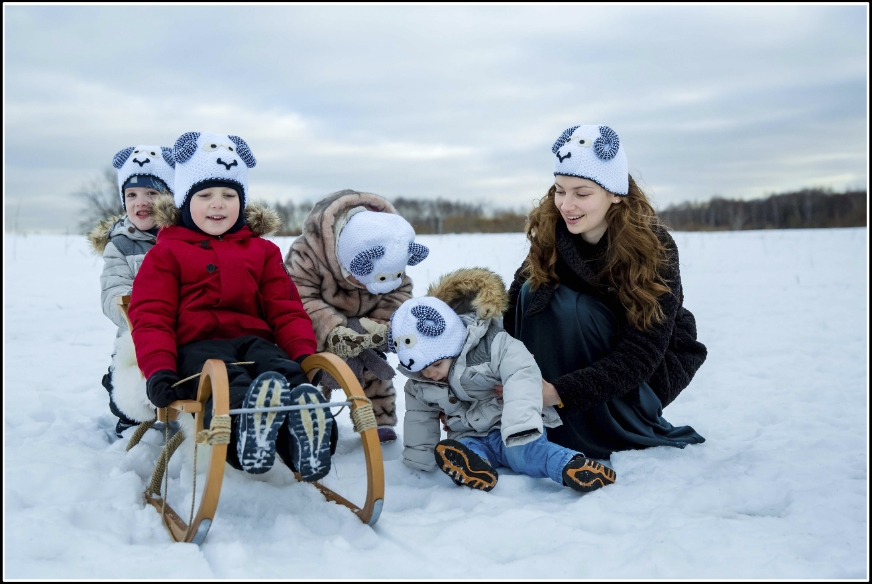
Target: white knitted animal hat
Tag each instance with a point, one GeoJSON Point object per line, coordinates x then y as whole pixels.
{"type": "Point", "coordinates": [375, 248]}
{"type": "Point", "coordinates": [202, 156]}
{"type": "Point", "coordinates": [144, 161]}
{"type": "Point", "coordinates": [594, 153]}
{"type": "Point", "coordinates": [425, 330]}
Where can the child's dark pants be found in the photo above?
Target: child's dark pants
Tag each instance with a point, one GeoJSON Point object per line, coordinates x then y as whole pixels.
{"type": "Point", "coordinates": [267, 357]}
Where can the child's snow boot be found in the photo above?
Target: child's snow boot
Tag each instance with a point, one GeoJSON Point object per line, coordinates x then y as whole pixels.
{"type": "Point", "coordinates": [256, 445]}
{"type": "Point", "coordinates": [310, 429]}
{"type": "Point", "coordinates": [386, 434]}
{"type": "Point", "coordinates": [464, 466]}
{"type": "Point", "coordinates": [585, 474]}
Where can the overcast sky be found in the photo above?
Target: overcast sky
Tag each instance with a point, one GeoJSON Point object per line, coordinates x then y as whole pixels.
{"type": "Point", "coordinates": [460, 102]}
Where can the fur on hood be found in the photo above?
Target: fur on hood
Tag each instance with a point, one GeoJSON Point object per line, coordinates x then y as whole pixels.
{"type": "Point", "coordinates": [98, 237]}
{"type": "Point", "coordinates": [260, 218]}
{"type": "Point", "coordinates": [472, 290]}
{"type": "Point", "coordinates": [319, 228]}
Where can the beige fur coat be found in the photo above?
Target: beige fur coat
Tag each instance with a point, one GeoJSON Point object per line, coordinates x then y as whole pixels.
{"type": "Point", "coordinates": [328, 297]}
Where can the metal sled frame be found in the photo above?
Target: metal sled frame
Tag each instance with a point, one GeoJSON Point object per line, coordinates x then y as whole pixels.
{"type": "Point", "coordinates": [214, 383]}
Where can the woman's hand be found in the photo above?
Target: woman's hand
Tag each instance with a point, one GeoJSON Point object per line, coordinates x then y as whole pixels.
{"type": "Point", "coordinates": [549, 394]}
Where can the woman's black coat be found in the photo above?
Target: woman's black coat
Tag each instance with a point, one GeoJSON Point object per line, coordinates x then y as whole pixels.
{"type": "Point", "coordinates": [667, 355]}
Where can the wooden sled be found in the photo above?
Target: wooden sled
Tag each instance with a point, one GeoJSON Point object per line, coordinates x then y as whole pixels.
{"type": "Point", "coordinates": [214, 383]}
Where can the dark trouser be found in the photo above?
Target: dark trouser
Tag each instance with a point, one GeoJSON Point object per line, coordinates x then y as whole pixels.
{"type": "Point", "coordinates": [571, 333]}
{"type": "Point", "coordinates": [107, 384]}
{"type": "Point", "coordinates": [267, 357]}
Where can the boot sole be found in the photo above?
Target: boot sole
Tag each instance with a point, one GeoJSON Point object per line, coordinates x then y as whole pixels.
{"type": "Point", "coordinates": [256, 445]}
{"type": "Point", "coordinates": [588, 475]}
{"type": "Point", "coordinates": [311, 429]}
{"type": "Point", "coordinates": [464, 466]}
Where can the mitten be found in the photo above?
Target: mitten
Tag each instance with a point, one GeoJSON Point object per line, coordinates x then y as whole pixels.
{"type": "Point", "coordinates": [378, 333]}
{"type": "Point", "coordinates": [346, 343]}
{"type": "Point", "coordinates": [160, 390]}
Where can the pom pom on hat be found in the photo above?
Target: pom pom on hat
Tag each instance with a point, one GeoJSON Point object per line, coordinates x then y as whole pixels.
{"type": "Point", "coordinates": [425, 330]}
{"type": "Point", "coordinates": [594, 153]}
{"type": "Point", "coordinates": [376, 247]}
{"type": "Point", "coordinates": [144, 161]}
{"type": "Point", "coordinates": [207, 156]}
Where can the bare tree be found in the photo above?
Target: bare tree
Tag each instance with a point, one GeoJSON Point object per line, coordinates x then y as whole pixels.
{"type": "Point", "coordinates": [100, 199]}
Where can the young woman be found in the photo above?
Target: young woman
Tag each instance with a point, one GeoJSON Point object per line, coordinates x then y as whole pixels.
{"type": "Point", "coordinates": [599, 303]}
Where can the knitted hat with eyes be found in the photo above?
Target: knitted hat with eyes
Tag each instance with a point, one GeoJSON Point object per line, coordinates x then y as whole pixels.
{"type": "Point", "coordinates": [376, 247]}
{"type": "Point", "coordinates": [594, 153]}
{"type": "Point", "coordinates": [139, 165]}
{"type": "Point", "coordinates": [206, 156]}
{"type": "Point", "coordinates": [425, 330]}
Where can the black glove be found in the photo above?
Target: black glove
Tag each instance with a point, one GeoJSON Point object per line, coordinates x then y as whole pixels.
{"type": "Point", "coordinates": [160, 390]}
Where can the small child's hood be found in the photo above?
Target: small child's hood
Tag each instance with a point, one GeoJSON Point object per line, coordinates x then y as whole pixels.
{"type": "Point", "coordinates": [260, 218]}
{"type": "Point", "coordinates": [421, 333]}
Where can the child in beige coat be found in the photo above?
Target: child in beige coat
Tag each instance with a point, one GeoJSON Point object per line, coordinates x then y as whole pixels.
{"type": "Point", "coordinates": [349, 268]}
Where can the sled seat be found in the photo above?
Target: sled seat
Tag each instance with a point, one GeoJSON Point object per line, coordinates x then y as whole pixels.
{"type": "Point", "coordinates": [213, 383]}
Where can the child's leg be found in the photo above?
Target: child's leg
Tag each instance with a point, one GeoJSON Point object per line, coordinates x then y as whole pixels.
{"type": "Point", "coordinates": [191, 358]}
{"type": "Point", "coordinates": [123, 421]}
{"type": "Point", "coordinates": [467, 462]}
{"type": "Point", "coordinates": [538, 458]}
{"type": "Point", "coordinates": [308, 439]}
{"type": "Point", "coordinates": [383, 396]}
{"type": "Point", "coordinates": [542, 458]}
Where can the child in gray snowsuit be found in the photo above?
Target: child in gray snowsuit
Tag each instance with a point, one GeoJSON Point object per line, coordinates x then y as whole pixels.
{"type": "Point", "coordinates": [454, 351]}
{"type": "Point", "coordinates": [144, 173]}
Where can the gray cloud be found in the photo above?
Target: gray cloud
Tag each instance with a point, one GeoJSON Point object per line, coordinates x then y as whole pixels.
{"type": "Point", "coordinates": [430, 101]}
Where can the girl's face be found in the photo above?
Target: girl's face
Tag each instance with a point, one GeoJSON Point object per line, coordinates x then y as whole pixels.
{"type": "Point", "coordinates": [215, 210]}
{"type": "Point", "coordinates": [138, 202]}
{"type": "Point", "coordinates": [583, 204]}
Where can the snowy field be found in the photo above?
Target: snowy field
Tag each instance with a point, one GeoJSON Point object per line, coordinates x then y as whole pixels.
{"type": "Point", "coordinates": [779, 489]}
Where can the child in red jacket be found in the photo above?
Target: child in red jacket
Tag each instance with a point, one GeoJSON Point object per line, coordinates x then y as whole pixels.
{"type": "Point", "coordinates": [212, 287]}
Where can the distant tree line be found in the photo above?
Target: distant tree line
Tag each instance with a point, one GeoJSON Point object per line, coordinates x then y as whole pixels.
{"type": "Point", "coordinates": [807, 208]}
{"type": "Point", "coordinates": [426, 216]}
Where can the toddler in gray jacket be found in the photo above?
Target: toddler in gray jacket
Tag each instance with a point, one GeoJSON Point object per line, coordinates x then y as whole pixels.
{"type": "Point", "coordinates": [144, 173]}
{"type": "Point", "coordinates": [453, 349]}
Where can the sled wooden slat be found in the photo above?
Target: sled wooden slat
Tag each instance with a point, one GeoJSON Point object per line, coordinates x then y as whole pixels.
{"type": "Point", "coordinates": [375, 477]}
{"type": "Point", "coordinates": [214, 384]}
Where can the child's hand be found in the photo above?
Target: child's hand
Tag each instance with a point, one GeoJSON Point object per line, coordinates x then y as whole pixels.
{"type": "Point", "coordinates": [346, 343]}
{"type": "Point", "coordinates": [498, 389]}
{"type": "Point", "coordinates": [549, 394]}
{"type": "Point", "coordinates": [444, 420]}
{"type": "Point", "coordinates": [160, 390]}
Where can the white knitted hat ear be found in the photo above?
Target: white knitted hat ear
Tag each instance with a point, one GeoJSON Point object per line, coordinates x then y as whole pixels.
{"type": "Point", "coordinates": [594, 153]}
{"type": "Point", "coordinates": [144, 160]}
{"type": "Point", "coordinates": [376, 247]}
{"type": "Point", "coordinates": [425, 330]}
{"type": "Point", "coordinates": [202, 156]}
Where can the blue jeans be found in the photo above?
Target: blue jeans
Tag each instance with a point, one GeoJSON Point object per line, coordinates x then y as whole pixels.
{"type": "Point", "coordinates": [537, 459]}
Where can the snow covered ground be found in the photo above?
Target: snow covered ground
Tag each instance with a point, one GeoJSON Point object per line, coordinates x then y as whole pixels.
{"type": "Point", "coordinates": [779, 489]}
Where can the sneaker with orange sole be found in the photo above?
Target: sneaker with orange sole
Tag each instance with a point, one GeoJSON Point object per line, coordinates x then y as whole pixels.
{"type": "Point", "coordinates": [464, 466]}
{"type": "Point", "coordinates": [585, 474]}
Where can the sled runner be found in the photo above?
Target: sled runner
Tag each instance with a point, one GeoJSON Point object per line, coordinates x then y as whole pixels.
{"type": "Point", "coordinates": [214, 383]}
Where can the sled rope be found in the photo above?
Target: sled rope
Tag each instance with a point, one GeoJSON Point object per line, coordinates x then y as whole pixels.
{"type": "Point", "coordinates": [218, 432]}
{"type": "Point", "coordinates": [163, 460]}
{"type": "Point", "coordinates": [362, 416]}
{"type": "Point", "coordinates": [195, 375]}
{"type": "Point", "coordinates": [139, 433]}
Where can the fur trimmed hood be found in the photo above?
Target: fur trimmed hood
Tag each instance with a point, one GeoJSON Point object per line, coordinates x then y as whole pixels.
{"type": "Point", "coordinates": [319, 228]}
{"type": "Point", "coordinates": [260, 218]}
{"type": "Point", "coordinates": [472, 290]}
{"type": "Point", "coordinates": [99, 236]}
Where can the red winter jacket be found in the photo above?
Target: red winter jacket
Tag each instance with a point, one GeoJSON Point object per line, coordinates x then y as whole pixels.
{"type": "Point", "coordinates": [196, 287]}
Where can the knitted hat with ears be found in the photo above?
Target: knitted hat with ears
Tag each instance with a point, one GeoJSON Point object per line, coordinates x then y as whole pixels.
{"type": "Point", "coordinates": [425, 330]}
{"type": "Point", "coordinates": [206, 156]}
{"type": "Point", "coordinates": [138, 165]}
{"type": "Point", "coordinates": [594, 153]}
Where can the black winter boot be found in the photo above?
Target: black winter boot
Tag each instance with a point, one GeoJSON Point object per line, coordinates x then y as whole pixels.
{"type": "Point", "coordinates": [585, 474]}
{"type": "Point", "coordinates": [464, 466]}
{"type": "Point", "coordinates": [311, 432]}
{"type": "Point", "coordinates": [256, 442]}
